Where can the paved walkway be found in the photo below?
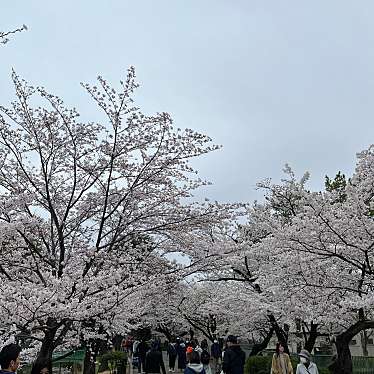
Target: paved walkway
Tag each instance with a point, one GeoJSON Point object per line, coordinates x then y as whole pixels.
{"type": "Point", "coordinates": [131, 370]}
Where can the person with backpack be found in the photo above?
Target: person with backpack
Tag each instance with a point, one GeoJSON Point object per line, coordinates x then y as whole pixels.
{"type": "Point", "coordinates": [204, 344]}
{"type": "Point", "coordinates": [233, 357]}
{"type": "Point", "coordinates": [172, 354]}
{"type": "Point", "coordinates": [153, 360]}
{"type": "Point", "coordinates": [194, 366]}
{"type": "Point", "coordinates": [205, 360]}
{"type": "Point", "coordinates": [189, 351]}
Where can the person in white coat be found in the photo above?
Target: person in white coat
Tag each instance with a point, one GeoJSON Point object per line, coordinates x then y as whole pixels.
{"type": "Point", "coordinates": [306, 365]}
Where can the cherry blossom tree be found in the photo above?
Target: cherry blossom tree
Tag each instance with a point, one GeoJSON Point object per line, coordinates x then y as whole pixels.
{"type": "Point", "coordinates": [160, 307]}
{"type": "Point", "coordinates": [89, 211]}
{"type": "Point", "coordinates": [322, 254]}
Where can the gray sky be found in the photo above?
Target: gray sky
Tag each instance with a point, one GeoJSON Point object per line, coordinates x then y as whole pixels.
{"type": "Point", "coordinates": [272, 81]}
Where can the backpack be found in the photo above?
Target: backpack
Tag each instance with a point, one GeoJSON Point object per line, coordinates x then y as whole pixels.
{"type": "Point", "coordinates": [205, 357]}
{"type": "Point", "coordinates": [172, 350]}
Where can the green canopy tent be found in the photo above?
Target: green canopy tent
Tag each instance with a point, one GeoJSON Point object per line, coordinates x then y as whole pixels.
{"type": "Point", "coordinates": [73, 359]}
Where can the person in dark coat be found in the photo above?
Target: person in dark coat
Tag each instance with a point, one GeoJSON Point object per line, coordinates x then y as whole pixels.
{"type": "Point", "coordinates": [172, 353]}
{"type": "Point", "coordinates": [204, 345]}
{"type": "Point", "coordinates": [234, 357]}
{"type": "Point", "coordinates": [153, 360]}
{"type": "Point", "coordinates": [216, 354]}
{"type": "Point", "coordinates": [142, 350]}
{"type": "Point", "coordinates": [181, 352]}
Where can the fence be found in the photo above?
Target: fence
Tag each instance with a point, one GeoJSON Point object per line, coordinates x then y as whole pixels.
{"type": "Point", "coordinates": [361, 365]}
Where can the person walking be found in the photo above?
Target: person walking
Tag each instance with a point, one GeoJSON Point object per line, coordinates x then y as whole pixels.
{"type": "Point", "coordinates": [142, 350]}
{"type": "Point", "coordinates": [172, 354]}
{"type": "Point", "coordinates": [204, 344]}
{"type": "Point", "coordinates": [216, 353]}
{"type": "Point", "coordinates": [306, 365]}
{"type": "Point", "coordinates": [234, 357]}
{"type": "Point", "coordinates": [181, 353]}
{"type": "Point", "coordinates": [10, 358]}
{"type": "Point", "coordinates": [281, 362]}
{"type": "Point", "coordinates": [153, 360]}
{"type": "Point", "coordinates": [189, 351]}
{"type": "Point", "coordinates": [205, 360]}
{"type": "Point", "coordinates": [194, 366]}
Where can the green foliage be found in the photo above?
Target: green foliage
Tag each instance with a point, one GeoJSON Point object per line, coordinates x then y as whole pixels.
{"type": "Point", "coordinates": [324, 371]}
{"type": "Point", "coordinates": [258, 365]}
{"type": "Point", "coordinates": [111, 360]}
{"type": "Point", "coordinates": [338, 184]}
{"type": "Point", "coordinates": [25, 369]}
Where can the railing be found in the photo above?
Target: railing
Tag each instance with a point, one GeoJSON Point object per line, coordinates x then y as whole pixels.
{"type": "Point", "coordinates": [361, 364]}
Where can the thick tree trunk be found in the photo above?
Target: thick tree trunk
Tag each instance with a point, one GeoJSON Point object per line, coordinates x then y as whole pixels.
{"type": "Point", "coordinates": [44, 357]}
{"type": "Point", "coordinates": [281, 334]}
{"type": "Point", "coordinates": [93, 350]}
{"type": "Point", "coordinates": [312, 337]}
{"type": "Point", "coordinates": [343, 361]}
{"type": "Point", "coordinates": [259, 347]}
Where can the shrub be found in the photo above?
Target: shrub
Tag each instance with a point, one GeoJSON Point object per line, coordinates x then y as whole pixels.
{"type": "Point", "coordinates": [110, 359]}
{"type": "Point", "coordinates": [258, 365]}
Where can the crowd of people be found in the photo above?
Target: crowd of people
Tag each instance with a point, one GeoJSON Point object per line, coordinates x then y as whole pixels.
{"type": "Point", "coordinates": [188, 356]}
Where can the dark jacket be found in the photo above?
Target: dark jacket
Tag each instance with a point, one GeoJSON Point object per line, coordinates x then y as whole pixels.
{"type": "Point", "coordinates": [216, 350]}
{"type": "Point", "coordinates": [142, 349]}
{"type": "Point", "coordinates": [154, 362]}
{"type": "Point", "coordinates": [181, 352]}
{"type": "Point", "coordinates": [171, 350]}
{"type": "Point", "coordinates": [233, 360]}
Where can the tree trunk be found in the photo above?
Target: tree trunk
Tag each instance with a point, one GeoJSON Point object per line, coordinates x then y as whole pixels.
{"type": "Point", "coordinates": [44, 357]}
{"type": "Point", "coordinates": [343, 360]}
{"type": "Point", "coordinates": [93, 349]}
{"type": "Point", "coordinates": [259, 347]}
{"type": "Point", "coordinates": [313, 334]}
{"type": "Point", "coordinates": [364, 343]}
{"type": "Point", "coordinates": [192, 334]}
{"type": "Point", "coordinates": [89, 363]}
{"type": "Point", "coordinates": [281, 334]}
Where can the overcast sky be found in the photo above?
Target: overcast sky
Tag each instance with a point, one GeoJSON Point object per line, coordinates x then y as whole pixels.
{"type": "Point", "coordinates": [272, 81]}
